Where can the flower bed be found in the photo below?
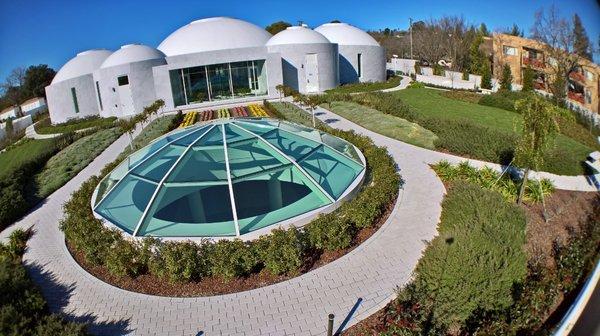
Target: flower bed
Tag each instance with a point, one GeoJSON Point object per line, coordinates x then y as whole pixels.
{"type": "Point", "coordinates": [189, 119]}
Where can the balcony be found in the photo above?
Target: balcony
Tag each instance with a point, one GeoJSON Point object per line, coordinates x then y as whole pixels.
{"type": "Point", "coordinates": [533, 62]}
{"type": "Point", "coordinates": [577, 76]}
{"type": "Point", "coordinates": [576, 96]}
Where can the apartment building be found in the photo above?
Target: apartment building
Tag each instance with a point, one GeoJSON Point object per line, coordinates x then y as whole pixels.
{"type": "Point", "coordinates": [520, 53]}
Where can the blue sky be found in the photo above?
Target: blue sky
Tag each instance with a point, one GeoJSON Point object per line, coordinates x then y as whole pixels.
{"type": "Point", "coordinates": [52, 32]}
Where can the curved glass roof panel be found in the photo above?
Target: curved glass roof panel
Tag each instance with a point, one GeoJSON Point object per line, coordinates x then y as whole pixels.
{"type": "Point", "coordinates": [226, 178]}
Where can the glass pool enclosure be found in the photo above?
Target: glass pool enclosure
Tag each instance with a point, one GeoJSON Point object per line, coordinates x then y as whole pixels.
{"type": "Point", "coordinates": [228, 177]}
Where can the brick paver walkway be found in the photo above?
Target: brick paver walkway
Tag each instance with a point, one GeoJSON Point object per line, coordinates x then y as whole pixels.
{"type": "Point", "coordinates": [352, 287]}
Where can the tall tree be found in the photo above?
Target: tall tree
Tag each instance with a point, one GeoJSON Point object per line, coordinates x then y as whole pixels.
{"type": "Point", "coordinates": [278, 26]}
{"type": "Point", "coordinates": [486, 74]}
{"type": "Point", "coordinates": [514, 31]}
{"type": "Point", "coordinates": [37, 77]}
{"type": "Point", "coordinates": [13, 86]}
{"type": "Point", "coordinates": [581, 45]}
{"type": "Point", "coordinates": [476, 56]}
{"type": "Point", "coordinates": [528, 78]}
{"type": "Point", "coordinates": [506, 79]}
{"type": "Point", "coordinates": [483, 29]}
{"type": "Point", "coordinates": [540, 125]}
{"type": "Point", "coordinates": [557, 34]}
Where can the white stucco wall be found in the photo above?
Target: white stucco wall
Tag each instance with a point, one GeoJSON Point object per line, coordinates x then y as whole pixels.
{"type": "Point", "coordinates": [293, 58]}
{"type": "Point", "coordinates": [373, 63]}
{"type": "Point", "coordinates": [60, 101]}
{"type": "Point", "coordinates": [141, 83]}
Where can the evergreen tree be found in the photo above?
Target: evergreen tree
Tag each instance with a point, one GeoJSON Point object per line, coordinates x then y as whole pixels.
{"type": "Point", "coordinates": [515, 31]}
{"type": "Point", "coordinates": [507, 78]}
{"type": "Point", "coordinates": [475, 55]}
{"type": "Point", "coordinates": [484, 30]}
{"type": "Point", "coordinates": [581, 45]}
{"type": "Point", "coordinates": [486, 74]}
{"type": "Point", "coordinates": [278, 26]}
{"type": "Point", "coordinates": [528, 78]}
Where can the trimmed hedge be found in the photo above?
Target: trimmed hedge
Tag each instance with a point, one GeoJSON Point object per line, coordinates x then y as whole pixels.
{"type": "Point", "coordinates": [281, 252]}
{"type": "Point", "coordinates": [44, 126]}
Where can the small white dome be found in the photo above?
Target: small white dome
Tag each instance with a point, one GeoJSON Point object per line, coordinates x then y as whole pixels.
{"type": "Point", "coordinates": [345, 34]}
{"type": "Point", "coordinates": [215, 33]}
{"type": "Point", "coordinates": [297, 35]}
{"type": "Point", "coordinates": [131, 53]}
{"type": "Point", "coordinates": [84, 63]}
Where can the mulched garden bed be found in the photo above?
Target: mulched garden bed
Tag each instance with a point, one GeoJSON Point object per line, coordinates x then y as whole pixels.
{"type": "Point", "coordinates": [567, 211]}
{"type": "Point", "coordinates": [153, 285]}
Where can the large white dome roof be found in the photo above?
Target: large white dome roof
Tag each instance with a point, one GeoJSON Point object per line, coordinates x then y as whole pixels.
{"type": "Point", "coordinates": [297, 35]}
{"type": "Point", "coordinates": [215, 33]}
{"type": "Point", "coordinates": [84, 63]}
{"type": "Point", "coordinates": [131, 53]}
{"type": "Point", "coordinates": [345, 34]}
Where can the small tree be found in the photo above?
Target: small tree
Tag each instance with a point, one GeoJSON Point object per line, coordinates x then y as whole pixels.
{"type": "Point", "coordinates": [128, 126]}
{"type": "Point", "coordinates": [280, 89]}
{"type": "Point", "coordinates": [540, 125]}
{"type": "Point", "coordinates": [528, 78]}
{"type": "Point", "coordinates": [507, 78]}
{"type": "Point", "coordinates": [9, 128]}
{"type": "Point", "coordinates": [486, 75]}
{"type": "Point", "coordinates": [465, 75]}
{"type": "Point", "coordinates": [312, 102]}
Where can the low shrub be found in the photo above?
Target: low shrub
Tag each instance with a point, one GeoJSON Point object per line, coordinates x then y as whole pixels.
{"type": "Point", "coordinates": [45, 127]}
{"type": "Point", "coordinates": [178, 262]}
{"type": "Point", "coordinates": [282, 251]}
{"type": "Point", "coordinates": [416, 85]}
{"type": "Point", "coordinates": [232, 258]}
{"type": "Point", "coordinates": [499, 101]}
{"type": "Point", "coordinates": [330, 233]}
{"type": "Point", "coordinates": [488, 178]}
{"type": "Point", "coordinates": [475, 261]}
{"type": "Point", "coordinates": [367, 86]}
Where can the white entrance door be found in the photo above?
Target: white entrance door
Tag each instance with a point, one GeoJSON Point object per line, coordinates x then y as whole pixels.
{"type": "Point", "coordinates": [126, 100]}
{"type": "Point", "coordinates": [311, 71]}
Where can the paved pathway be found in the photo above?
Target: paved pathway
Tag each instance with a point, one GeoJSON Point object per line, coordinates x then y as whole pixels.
{"type": "Point", "coordinates": [351, 287]}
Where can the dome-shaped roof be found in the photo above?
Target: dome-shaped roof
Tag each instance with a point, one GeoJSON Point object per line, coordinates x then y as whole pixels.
{"type": "Point", "coordinates": [297, 35]}
{"type": "Point", "coordinates": [214, 34]}
{"type": "Point", "coordinates": [131, 53]}
{"type": "Point", "coordinates": [345, 34]}
{"type": "Point", "coordinates": [84, 63]}
{"type": "Point", "coordinates": [227, 177]}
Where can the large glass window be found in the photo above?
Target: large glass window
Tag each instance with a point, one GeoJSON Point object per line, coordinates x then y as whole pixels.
{"type": "Point", "coordinates": [218, 81]}
{"type": "Point", "coordinates": [510, 51]}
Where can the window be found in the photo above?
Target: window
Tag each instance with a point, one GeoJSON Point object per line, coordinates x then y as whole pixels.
{"type": "Point", "coordinates": [218, 81]}
{"type": "Point", "coordinates": [589, 75]}
{"type": "Point", "coordinates": [123, 80]}
{"type": "Point", "coordinates": [99, 96]}
{"type": "Point", "coordinates": [74, 96]}
{"type": "Point", "coordinates": [510, 51]}
{"type": "Point", "coordinates": [588, 96]}
{"type": "Point", "coordinates": [359, 59]}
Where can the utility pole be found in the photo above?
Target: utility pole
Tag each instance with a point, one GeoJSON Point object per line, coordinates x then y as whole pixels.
{"type": "Point", "coordinates": [411, 40]}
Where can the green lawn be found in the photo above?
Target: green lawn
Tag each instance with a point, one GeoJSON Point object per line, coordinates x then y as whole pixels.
{"type": "Point", "coordinates": [367, 87]}
{"type": "Point", "coordinates": [565, 158]}
{"type": "Point", "coordinates": [385, 124]}
{"type": "Point", "coordinates": [292, 113]}
{"type": "Point", "coordinates": [44, 126]}
{"type": "Point", "coordinates": [16, 155]}
{"type": "Point", "coordinates": [67, 163]}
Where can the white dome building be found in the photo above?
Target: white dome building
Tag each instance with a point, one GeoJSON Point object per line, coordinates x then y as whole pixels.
{"type": "Point", "coordinates": [309, 59]}
{"type": "Point", "coordinates": [362, 59]}
{"type": "Point", "coordinates": [124, 82]}
{"type": "Point", "coordinates": [211, 62]}
{"type": "Point", "coordinates": [72, 93]}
